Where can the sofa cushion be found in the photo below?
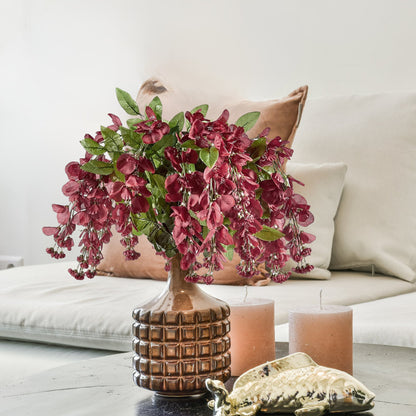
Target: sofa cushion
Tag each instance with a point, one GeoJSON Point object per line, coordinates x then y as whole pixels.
{"type": "Point", "coordinates": [375, 136]}
{"type": "Point", "coordinates": [388, 321]}
{"type": "Point", "coordinates": [322, 190]}
{"type": "Point", "coordinates": [151, 266]}
{"type": "Point", "coordinates": [281, 115]}
{"type": "Point", "coordinates": [44, 303]}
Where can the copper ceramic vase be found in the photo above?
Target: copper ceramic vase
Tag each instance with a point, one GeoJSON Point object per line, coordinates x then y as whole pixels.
{"type": "Point", "coordinates": [181, 338]}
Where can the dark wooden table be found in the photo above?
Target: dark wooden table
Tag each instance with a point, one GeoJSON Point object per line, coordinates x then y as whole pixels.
{"type": "Point", "coordinates": [104, 386]}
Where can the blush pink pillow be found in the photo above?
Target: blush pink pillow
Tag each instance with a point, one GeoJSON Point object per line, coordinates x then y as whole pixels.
{"type": "Point", "coordinates": [151, 266]}
{"type": "Point", "coordinates": [282, 116]}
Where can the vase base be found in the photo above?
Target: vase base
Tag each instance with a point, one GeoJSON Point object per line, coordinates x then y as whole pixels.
{"type": "Point", "coordinates": [178, 386]}
{"type": "Point", "coordinates": [184, 395]}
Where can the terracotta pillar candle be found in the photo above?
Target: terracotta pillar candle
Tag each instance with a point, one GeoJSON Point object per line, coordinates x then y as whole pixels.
{"type": "Point", "coordinates": [251, 333]}
{"type": "Point", "coordinates": [324, 333]}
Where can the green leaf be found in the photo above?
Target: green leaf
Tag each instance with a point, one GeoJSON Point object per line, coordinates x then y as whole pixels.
{"type": "Point", "coordinates": [92, 147]}
{"type": "Point", "coordinates": [98, 167]}
{"type": "Point", "coordinates": [190, 144]}
{"type": "Point", "coordinates": [171, 252]}
{"type": "Point", "coordinates": [253, 167]}
{"type": "Point", "coordinates": [120, 176]}
{"type": "Point", "coordinates": [257, 148]}
{"type": "Point", "coordinates": [209, 156]}
{"type": "Point", "coordinates": [156, 106]}
{"type": "Point", "coordinates": [131, 122]}
{"type": "Point", "coordinates": [247, 121]}
{"type": "Point", "coordinates": [159, 180]}
{"type": "Point", "coordinates": [266, 208]}
{"type": "Point", "coordinates": [229, 253]}
{"type": "Point", "coordinates": [202, 107]}
{"type": "Point", "coordinates": [142, 225]}
{"type": "Point", "coordinates": [162, 240]}
{"type": "Point", "coordinates": [189, 167]}
{"type": "Point", "coordinates": [158, 184]}
{"type": "Point", "coordinates": [269, 234]}
{"type": "Point", "coordinates": [113, 141]}
{"type": "Point", "coordinates": [129, 105]}
{"type": "Point", "coordinates": [151, 213]}
{"type": "Point", "coordinates": [269, 169]}
{"type": "Point", "coordinates": [165, 141]}
{"type": "Point", "coordinates": [177, 121]}
{"type": "Point", "coordinates": [187, 125]}
{"type": "Point", "coordinates": [259, 192]}
{"type": "Point", "coordinates": [130, 137]}
{"type": "Point", "coordinates": [202, 222]}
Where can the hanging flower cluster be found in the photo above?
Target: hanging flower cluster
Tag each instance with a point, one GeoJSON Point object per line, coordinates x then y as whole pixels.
{"type": "Point", "coordinates": [196, 187]}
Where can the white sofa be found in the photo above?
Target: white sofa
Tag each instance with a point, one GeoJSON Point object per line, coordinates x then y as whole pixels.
{"type": "Point", "coordinates": [47, 318]}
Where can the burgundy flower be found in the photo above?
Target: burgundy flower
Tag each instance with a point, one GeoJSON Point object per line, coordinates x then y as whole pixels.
{"type": "Point", "coordinates": [189, 156]}
{"type": "Point", "coordinates": [70, 188]}
{"type": "Point", "coordinates": [145, 165]}
{"type": "Point", "coordinates": [116, 122]}
{"type": "Point", "coordinates": [50, 230]}
{"type": "Point", "coordinates": [72, 169]}
{"type": "Point", "coordinates": [81, 218]}
{"type": "Point", "coordinates": [172, 155]}
{"type": "Point", "coordinates": [152, 128]}
{"type": "Point", "coordinates": [157, 130]}
{"type": "Point", "coordinates": [139, 204]}
{"type": "Point", "coordinates": [210, 209]}
{"type": "Point", "coordinates": [198, 134]}
{"type": "Point", "coordinates": [126, 164]}
{"type": "Point", "coordinates": [173, 186]}
{"type": "Point", "coordinates": [62, 213]}
{"type": "Point", "coordinates": [226, 203]}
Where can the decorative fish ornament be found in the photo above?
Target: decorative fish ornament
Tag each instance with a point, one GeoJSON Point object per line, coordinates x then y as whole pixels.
{"type": "Point", "coordinates": [293, 384]}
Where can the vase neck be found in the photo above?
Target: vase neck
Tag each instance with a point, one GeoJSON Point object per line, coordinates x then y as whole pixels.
{"type": "Point", "coordinates": [176, 277]}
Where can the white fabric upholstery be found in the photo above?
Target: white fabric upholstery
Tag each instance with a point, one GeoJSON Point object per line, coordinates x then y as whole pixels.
{"type": "Point", "coordinates": [375, 136]}
{"type": "Point", "coordinates": [43, 303]}
{"type": "Point", "coordinates": [322, 190]}
{"type": "Point", "coordinates": [389, 321]}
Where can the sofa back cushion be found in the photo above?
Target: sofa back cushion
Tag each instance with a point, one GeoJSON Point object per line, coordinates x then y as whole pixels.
{"type": "Point", "coordinates": [375, 135]}
{"type": "Point", "coordinates": [323, 189]}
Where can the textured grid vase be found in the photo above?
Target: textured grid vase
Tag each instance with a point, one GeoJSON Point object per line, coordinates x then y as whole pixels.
{"type": "Point", "coordinates": [181, 338]}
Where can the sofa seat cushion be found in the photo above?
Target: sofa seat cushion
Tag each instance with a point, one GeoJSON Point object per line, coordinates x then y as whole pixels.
{"type": "Point", "coordinates": [44, 303]}
{"type": "Point", "coordinates": [389, 321]}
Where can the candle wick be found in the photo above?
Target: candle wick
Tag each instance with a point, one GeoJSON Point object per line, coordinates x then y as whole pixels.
{"type": "Point", "coordinates": [320, 298]}
{"type": "Point", "coordinates": [245, 297]}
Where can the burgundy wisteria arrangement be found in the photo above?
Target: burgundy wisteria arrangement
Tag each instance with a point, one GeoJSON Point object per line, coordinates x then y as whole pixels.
{"type": "Point", "coordinates": [192, 186]}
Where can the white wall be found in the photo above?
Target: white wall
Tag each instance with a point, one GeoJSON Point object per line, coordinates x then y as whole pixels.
{"type": "Point", "coordinates": [61, 60]}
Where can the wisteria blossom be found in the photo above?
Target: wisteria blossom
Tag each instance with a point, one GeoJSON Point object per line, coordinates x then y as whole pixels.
{"type": "Point", "coordinates": [198, 188]}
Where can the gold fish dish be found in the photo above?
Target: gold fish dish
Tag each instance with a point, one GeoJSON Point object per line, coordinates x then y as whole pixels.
{"type": "Point", "coordinates": [293, 384]}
